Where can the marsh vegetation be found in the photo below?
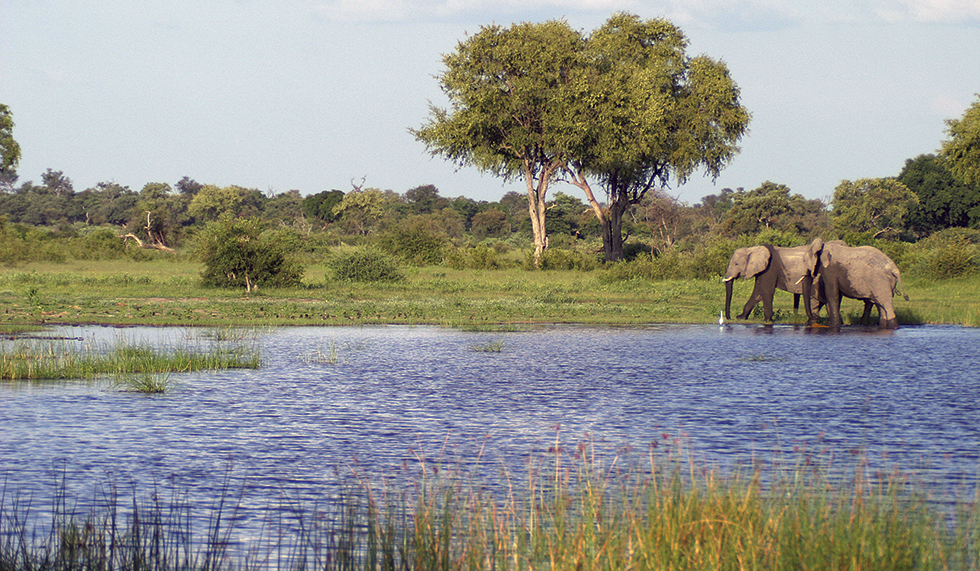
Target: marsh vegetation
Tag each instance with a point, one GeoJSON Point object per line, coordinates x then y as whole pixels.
{"type": "Point", "coordinates": [141, 367]}
{"type": "Point", "coordinates": [580, 508]}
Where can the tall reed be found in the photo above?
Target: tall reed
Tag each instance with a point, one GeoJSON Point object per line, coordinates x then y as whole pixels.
{"type": "Point", "coordinates": [57, 359]}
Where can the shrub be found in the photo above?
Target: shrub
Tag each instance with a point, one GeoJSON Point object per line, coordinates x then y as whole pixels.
{"type": "Point", "coordinates": [480, 257]}
{"type": "Point", "coordinates": [237, 253]}
{"type": "Point", "coordinates": [417, 242]}
{"type": "Point", "coordinates": [634, 250]}
{"type": "Point", "coordinates": [946, 254]}
{"type": "Point", "coordinates": [561, 259]}
{"type": "Point", "coordinates": [711, 258]}
{"type": "Point", "coordinates": [364, 264]}
{"type": "Point", "coordinates": [772, 237]}
{"type": "Point", "coordinates": [666, 266]}
{"type": "Point", "coordinates": [100, 244]}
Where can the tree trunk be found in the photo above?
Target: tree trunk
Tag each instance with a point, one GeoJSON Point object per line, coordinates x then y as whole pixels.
{"type": "Point", "coordinates": [612, 237]}
{"type": "Point", "coordinates": [611, 218]}
{"type": "Point", "coordinates": [537, 206]}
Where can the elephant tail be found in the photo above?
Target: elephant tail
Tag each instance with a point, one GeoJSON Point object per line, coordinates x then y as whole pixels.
{"type": "Point", "coordinates": [899, 284]}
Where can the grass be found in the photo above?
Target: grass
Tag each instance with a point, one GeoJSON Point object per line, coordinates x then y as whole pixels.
{"type": "Point", "coordinates": [140, 365]}
{"type": "Point", "coordinates": [323, 356]}
{"type": "Point", "coordinates": [577, 508]}
{"type": "Point", "coordinates": [490, 347]}
{"type": "Point", "coordinates": [168, 293]}
{"type": "Point", "coordinates": [147, 383]}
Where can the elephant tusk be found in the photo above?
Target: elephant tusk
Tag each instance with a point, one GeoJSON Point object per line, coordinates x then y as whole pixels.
{"type": "Point", "coordinates": [799, 280]}
{"type": "Point", "coordinates": [729, 279]}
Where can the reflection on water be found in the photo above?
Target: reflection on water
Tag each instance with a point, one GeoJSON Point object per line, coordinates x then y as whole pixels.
{"type": "Point", "coordinates": [737, 392]}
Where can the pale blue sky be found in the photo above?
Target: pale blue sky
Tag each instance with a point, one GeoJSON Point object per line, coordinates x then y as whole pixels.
{"type": "Point", "coordinates": [310, 94]}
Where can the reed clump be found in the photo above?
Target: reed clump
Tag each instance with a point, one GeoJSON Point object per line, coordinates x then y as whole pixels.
{"type": "Point", "coordinates": [36, 360]}
{"type": "Point", "coordinates": [571, 509]}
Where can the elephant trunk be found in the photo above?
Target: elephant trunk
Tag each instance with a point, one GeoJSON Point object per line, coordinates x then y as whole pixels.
{"type": "Point", "coordinates": [807, 296]}
{"type": "Point", "coordinates": [728, 298]}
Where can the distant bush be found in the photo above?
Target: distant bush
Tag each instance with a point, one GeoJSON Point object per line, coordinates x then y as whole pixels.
{"type": "Point", "coordinates": [773, 237]}
{"type": "Point", "coordinates": [668, 265]}
{"type": "Point", "coordinates": [561, 259]}
{"type": "Point", "coordinates": [364, 264]}
{"type": "Point", "coordinates": [946, 254]}
{"type": "Point", "coordinates": [710, 259]}
{"type": "Point", "coordinates": [21, 243]}
{"type": "Point", "coordinates": [634, 250]}
{"type": "Point", "coordinates": [239, 253]}
{"type": "Point", "coordinates": [481, 257]}
{"type": "Point", "coordinates": [100, 244]}
{"type": "Point", "coordinates": [418, 242]}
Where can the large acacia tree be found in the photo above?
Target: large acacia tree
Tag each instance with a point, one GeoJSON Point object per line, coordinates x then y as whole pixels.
{"type": "Point", "coordinates": [511, 93]}
{"type": "Point", "coordinates": [648, 113]}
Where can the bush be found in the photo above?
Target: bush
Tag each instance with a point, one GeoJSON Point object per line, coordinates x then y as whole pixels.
{"type": "Point", "coordinates": [417, 242]}
{"type": "Point", "coordinates": [364, 264]}
{"type": "Point", "coordinates": [711, 258]}
{"type": "Point", "coordinates": [773, 237]}
{"type": "Point", "coordinates": [560, 259]}
{"type": "Point", "coordinates": [946, 254]}
{"type": "Point", "coordinates": [237, 253]}
{"type": "Point", "coordinates": [100, 244]}
{"type": "Point", "coordinates": [480, 257]}
{"type": "Point", "coordinates": [635, 250]}
{"type": "Point", "coordinates": [666, 266]}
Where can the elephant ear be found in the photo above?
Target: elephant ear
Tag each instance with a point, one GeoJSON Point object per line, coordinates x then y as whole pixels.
{"type": "Point", "coordinates": [812, 256]}
{"type": "Point", "coordinates": [758, 260]}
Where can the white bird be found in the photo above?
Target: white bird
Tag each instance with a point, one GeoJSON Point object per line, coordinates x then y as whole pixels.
{"type": "Point", "coordinates": [721, 318]}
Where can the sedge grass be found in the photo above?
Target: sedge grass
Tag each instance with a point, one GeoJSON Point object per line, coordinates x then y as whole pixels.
{"type": "Point", "coordinates": [490, 347]}
{"type": "Point", "coordinates": [36, 360]}
{"type": "Point", "coordinates": [575, 509]}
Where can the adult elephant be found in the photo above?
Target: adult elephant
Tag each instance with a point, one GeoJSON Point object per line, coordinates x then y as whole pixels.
{"type": "Point", "coordinates": [862, 272]}
{"type": "Point", "coordinates": [772, 267]}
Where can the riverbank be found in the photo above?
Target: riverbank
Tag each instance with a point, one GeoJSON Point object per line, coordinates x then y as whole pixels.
{"type": "Point", "coordinates": [169, 293]}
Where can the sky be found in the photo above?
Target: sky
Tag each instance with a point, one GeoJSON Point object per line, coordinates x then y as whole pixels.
{"type": "Point", "coordinates": [315, 95]}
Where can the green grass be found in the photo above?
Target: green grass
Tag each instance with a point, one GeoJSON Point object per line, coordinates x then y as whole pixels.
{"type": "Point", "coordinates": [168, 293]}
{"type": "Point", "coordinates": [575, 509]}
{"type": "Point", "coordinates": [39, 359]}
{"type": "Point", "coordinates": [490, 347]}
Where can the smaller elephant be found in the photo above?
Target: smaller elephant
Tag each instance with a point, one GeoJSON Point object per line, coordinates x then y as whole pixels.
{"type": "Point", "coordinates": [835, 270]}
{"type": "Point", "coordinates": [772, 267]}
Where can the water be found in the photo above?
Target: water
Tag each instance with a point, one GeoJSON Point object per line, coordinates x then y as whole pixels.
{"type": "Point", "coordinates": [908, 398]}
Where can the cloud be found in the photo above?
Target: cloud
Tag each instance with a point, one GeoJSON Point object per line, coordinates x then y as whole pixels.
{"type": "Point", "coordinates": [946, 11]}
{"type": "Point", "coordinates": [738, 14]}
{"type": "Point", "coordinates": [363, 10]}
{"type": "Point", "coordinates": [949, 107]}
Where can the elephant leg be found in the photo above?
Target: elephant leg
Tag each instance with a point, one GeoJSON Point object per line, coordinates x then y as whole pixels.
{"type": "Point", "coordinates": [886, 313]}
{"type": "Point", "coordinates": [767, 308]}
{"type": "Point", "coordinates": [832, 297]}
{"type": "Point", "coordinates": [866, 317]}
{"type": "Point", "coordinates": [754, 299]}
{"type": "Point", "coordinates": [796, 303]}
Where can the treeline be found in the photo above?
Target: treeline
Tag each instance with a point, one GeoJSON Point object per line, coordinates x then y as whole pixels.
{"type": "Point", "coordinates": [923, 218]}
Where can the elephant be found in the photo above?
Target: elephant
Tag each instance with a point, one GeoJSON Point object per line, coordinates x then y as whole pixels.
{"type": "Point", "coordinates": [772, 267]}
{"type": "Point", "coordinates": [835, 270]}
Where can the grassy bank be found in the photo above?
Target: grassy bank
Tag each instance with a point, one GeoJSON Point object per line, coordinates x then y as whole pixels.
{"type": "Point", "coordinates": [168, 293]}
{"type": "Point", "coordinates": [575, 509]}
